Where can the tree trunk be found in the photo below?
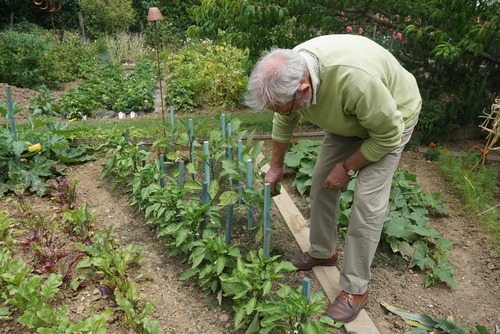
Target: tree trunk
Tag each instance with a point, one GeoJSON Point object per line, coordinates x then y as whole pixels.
{"type": "Point", "coordinates": [82, 27]}
{"type": "Point", "coordinates": [11, 18]}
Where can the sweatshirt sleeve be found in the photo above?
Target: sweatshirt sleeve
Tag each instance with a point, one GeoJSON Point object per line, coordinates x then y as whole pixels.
{"type": "Point", "coordinates": [283, 127]}
{"type": "Point", "coordinates": [376, 111]}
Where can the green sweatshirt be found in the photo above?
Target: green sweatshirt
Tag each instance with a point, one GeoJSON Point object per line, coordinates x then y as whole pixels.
{"type": "Point", "coordinates": [359, 89]}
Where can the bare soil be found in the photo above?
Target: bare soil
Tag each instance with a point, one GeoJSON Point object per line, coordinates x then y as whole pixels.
{"type": "Point", "coordinates": [181, 307]}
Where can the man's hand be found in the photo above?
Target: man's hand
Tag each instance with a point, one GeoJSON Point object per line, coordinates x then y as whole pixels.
{"type": "Point", "coordinates": [337, 179]}
{"type": "Point", "coordinates": [273, 175]}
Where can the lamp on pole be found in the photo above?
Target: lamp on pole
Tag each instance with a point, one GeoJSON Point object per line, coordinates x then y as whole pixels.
{"type": "Point", "coordinates": [154, 15]}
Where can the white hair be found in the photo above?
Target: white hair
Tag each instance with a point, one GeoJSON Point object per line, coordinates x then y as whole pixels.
{"type": "Point", "coordinates": [275, 79]}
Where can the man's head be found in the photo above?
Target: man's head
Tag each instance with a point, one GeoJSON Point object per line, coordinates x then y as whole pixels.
{"type": "Point", "coordinates": [279, 82]}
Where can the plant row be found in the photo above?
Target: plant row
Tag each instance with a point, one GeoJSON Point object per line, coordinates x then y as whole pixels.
{"type": "Point", "coordinates": [189, 222]}
{"type": "Point", "coordinates": [67, 254]}
{"type": "Point", "coordinates": [406, 227]}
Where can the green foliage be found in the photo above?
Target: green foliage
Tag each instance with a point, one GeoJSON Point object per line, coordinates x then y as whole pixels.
{"type": "Point", "coordinates": [28, 60]}
{"type": "Point", "coordinates": [204, 74]}
{"type": "Point", "coordinates": [107, 17]}
{"type": "Point", "coordinates": [126, 48]}
{"type": "Point", "coordinates": [251, 280]}
{"type": "Point", "coordinates": [42, 104]}
{"type": "Point", "coordinates": [302, 157]}
{"type": "Point", "coordinates": [110, 89]}
{"type": "Point", "coordinates": [191, 227]}
{"type": "Point", "coordinates": [285, 313]}
{"type": "Point", "coordinates": [30, 157]}
{"type": "Point", "coordinates": [34, 59]}
{"type": "Point", "coordinates": [476, 186]}
{"type": "Point", "coordinates": [406, 229]}
{"type": "Point", "coordinates": [422, 323]}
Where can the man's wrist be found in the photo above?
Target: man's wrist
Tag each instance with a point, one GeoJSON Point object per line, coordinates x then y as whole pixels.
{"type": "Point", "coordinates": [348, 170]}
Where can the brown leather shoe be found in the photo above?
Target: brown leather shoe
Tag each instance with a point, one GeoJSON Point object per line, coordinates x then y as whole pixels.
{"type": "Point", "coordinates": [346, 306]}
{"type": "Point", "coordinates": [304, 261]}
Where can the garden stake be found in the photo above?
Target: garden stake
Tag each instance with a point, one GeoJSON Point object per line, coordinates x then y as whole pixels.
{"type": "Point", "coordinates": [11, 112]}
{"type": "Point", "coordinates": [204, 200]}
{"type": "Point", "coordinates": [223, 131]}
{"type": "Point", "coordinates": [181, 173]}
{"type": "Point", "coordinates": [162, 168]}
{"type": "Point", "coordinates": [223, 125]}
{"type": "Point", "coordinates": [154, 15]}
{"type": "Point", "coordinates": [229, 223]}
{"type": "Point", "coordinates": [172, 123]}
{"type": "Point", "coordinates": [240, 158]}
{"type": "Point", "coordinates": [250, 185]}
{"type": "Point", "coordinates": [229, 149]}
{"type": "Point", "coordinates": [267, 220]}
{"type": "Point", "coordinates": [143, 162]}
{"type": "Point", "coordinates": [12, 121]}
{"type": "Point", "coordinates": [191, 136]}
{"type": "Point", "coordinates": [306, 291]}
{"type": "Point", "coordinates": [207, 162]}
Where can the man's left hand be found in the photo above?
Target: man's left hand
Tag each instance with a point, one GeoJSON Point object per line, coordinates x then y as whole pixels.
{"type": "Point", "coordinates": [337, 179]}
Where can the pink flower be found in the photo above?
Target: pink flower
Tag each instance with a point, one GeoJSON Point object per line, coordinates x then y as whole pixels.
{"type": "Point", "coordinates": [348, 29]}
{"type": "Point", "coordinates": [360, 30]}
{"type": "Point", "coordinates": [398, 36]}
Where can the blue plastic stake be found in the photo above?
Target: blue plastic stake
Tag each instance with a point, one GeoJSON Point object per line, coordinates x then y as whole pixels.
{"type": "Point", "coordinates": [172, 120]}
{"type": "Point", "coordinates": [162, 168]}
{"type": "Point", "coordinates": [10, 108]}
{"type": "Point", "coordinates": [306, 291]}
{"type": "Point", "coordinates": [191, 136]}
{"type": "Point", "coordinates": [181, 173]}
{"type": "Point", "coordinates": [229, 149]}
{"type": "Point", "coordinates": [229, 223]}
{"type": "Point", "coordinates": [267, 220]}
{"type": "Point", "coordinates": [223, 125]}
{"type": "Point", "coordinates": [143, 162]}
{"type": "Point", "coordinates": [250, 185]}
{"type": "Point", "coordinates": [207, 162]}
{"type": "Point", "coordinates": [205, 198]}
{"type": "Point", "coordinates": [229, 135]}
{"type": "Point", "coordinates": [172, 123]}
{"type": "Point", "coordinates": [240, 159]}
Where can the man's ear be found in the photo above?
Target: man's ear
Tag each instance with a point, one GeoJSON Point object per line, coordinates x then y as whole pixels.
{"type": "Point", "coordinates": [305, 88]}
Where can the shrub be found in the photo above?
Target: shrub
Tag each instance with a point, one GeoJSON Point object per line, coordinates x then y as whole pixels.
{"type": "Point", "coordinates": [27, 60]}
{"type": "Point", "coordinates": [205, 74]}
{"type": "Point", "coordinates": [33, 59]}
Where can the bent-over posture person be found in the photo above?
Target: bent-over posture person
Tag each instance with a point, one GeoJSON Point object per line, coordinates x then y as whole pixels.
{"type": "Point", "coordinates": [368, 105]}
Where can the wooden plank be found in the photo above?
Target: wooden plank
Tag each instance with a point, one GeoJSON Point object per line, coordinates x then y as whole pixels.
{"type": "Point", "coordinates": [328, 277]}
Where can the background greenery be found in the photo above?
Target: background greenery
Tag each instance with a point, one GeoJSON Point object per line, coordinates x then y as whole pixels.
{"type": "Point", "coordinates": [451, 46]}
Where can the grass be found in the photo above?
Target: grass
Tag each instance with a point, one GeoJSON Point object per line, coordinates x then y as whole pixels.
{"type": "Point", "coordinates": [476, 186]}
{"type": "Point", "coordinates": [156, 127]}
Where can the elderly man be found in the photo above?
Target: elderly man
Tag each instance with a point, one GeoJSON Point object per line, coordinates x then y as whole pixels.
{"type": "Point", "coordinates": [368, 105]}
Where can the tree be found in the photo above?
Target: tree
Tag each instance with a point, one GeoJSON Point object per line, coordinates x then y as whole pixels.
{"type": "Point", "coordinates": [107, 17]}
{"type": "Point", "coordinates": [451, 46]}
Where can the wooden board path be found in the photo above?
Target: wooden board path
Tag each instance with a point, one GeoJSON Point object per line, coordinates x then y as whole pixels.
{"type": "Point", "coordinates": [328, 277]}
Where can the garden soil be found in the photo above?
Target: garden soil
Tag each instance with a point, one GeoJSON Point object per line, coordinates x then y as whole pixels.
{"type": "Point", "coordinates": [182, 308]}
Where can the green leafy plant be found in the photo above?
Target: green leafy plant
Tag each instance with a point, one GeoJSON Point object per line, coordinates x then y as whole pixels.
{"type": "Point", "coordinates": [251, 280]}
{"type": "Point", "coordinates": [29, 157]}
{"type": "Point", "coordinates": [302, 157]}
{"type": "Point", "coordinates": [205, 74]}
{"type": "Point", "coordinates": [79, 222]}
{"type": "Point", "coordinates": [288, 311]}
{"type": "Point", "coordinates": [422, 323]}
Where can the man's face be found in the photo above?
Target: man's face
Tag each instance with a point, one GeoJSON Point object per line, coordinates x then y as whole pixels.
{"type": "Point", "coordinates": [299, 101]}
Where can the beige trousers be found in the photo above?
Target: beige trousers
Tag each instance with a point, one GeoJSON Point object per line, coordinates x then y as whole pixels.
{"type": "Point", "coordinates": [371, 198]}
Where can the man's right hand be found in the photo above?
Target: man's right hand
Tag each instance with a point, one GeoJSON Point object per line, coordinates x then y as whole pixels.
{"type": "Point", "coordinates": [274, 175]}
